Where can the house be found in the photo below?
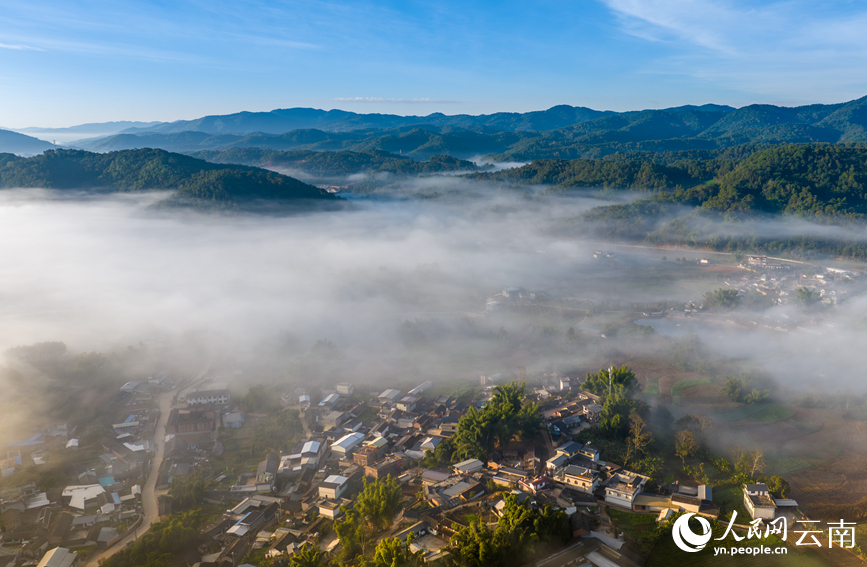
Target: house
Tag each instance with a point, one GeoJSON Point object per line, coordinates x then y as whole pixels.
{"type": "Point", "coordinates": [329, 401]}
{"type": "Point", "coordinates": [450, 493]}
{"type": "Point", "coordinates": [691, 498]}
{"type": "Point", "coordinates": [334, 419]}
{"type": "Point", "coordinates": [589, 453]}
{"type": "Point", "coordinates": [333, 487]}
{"type": "Point", "coordinates": [329, 509]}
{"type": "Point", "coordinates": [345, 388]}
{"type": "Point", "coordinates": [534, 485]}
{"type": "Point", "coordinates": [389, 397]}
{"type": "Point", "coordinates": [449, 425]}
{"type": "Point", "coordinates": [59, 557]}
{"type": "Point", "coordinates": [192, 420]}
{"type": "Point", "coordinates": [569, 449]}
{"type": "Point", "coordinates": [468, 467]}
{"type": "Point", "coordinates": [422, 447]}
{"type": "Point", "coordinates": [253, 521]}
{"type": "Point", "coordinates": [233, 420]}
{"type": "Point", "coordinates": [430, 478]}
{"type": "Point", "coordinates": [407, 403]}
{"type": "Point", "coordinates": [556, 463]}
{"type": "Point", "coordinates": [208, 397]}
{"type": "Point", "coordinates": [83, 497]}
{"type": "Point", "coordinates": [580, 479]}
{"type": "Point", "coordinates": [420, 389]}
{"type": "Point", "coordinates": [623, 487]}
{"type": "Point", "coordinates": [304, 402]}
{"type": "Point", "coordinates": [390, 466]}
{"type": "Point", "coordinates": [343, 447]}
{"type": "Point", "coordinates": [759, 502]}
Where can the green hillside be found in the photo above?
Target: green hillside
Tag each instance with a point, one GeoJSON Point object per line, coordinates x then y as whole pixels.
{"type": "Point", "coordinates": [327, 163]}
{"type": "Point", "coordinates": [194, 181]}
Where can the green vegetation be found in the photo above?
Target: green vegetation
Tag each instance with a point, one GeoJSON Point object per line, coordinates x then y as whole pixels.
{"type": "Point", "coordinates": [378, 502]}
{"type": "Point", "coordinates": [808, 297]}
{"type": "Point", "coordinates": [328, 163]}
{"type": "Point", "coordinates": [261, 399]}
{"type": "Point", "coordinates": [622, 377]}
{"type": "Point", "coordinates": [479, 431]}
{"type": "Point", "coordinates": [306, 556]}
{"type": "Point", "coordinates": [159, 545]}
{"type": "Point", "coordinates": [774, 413]}
{"type": "Point", "coordinates": [186, 491]}
{"type": "Point", "coordinates": [193, 181]}
{"type": "Point", "coordinates": [748, 387]}
{"type": "Point", "coordinates": [682, 385]}
{"type": "Point", "coordinates": [722, 299]}
{"type": "Point", "coordinates": [519, 535]}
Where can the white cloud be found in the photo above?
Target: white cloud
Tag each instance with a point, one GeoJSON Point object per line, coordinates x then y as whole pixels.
{"type": "Point", "coordinates": [19, 47]}
{"type": "Point", "coordinates": [782, 50]}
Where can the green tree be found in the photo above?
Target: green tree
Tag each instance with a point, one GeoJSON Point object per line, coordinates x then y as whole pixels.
{"type": "Point", "coordinates": [378, 502]}
{"type": "Point", "coordinates": [639, 438]}
{"type": "Point", "coordinates": [598, 383]}
{"type": "Point", "coordinates": [391, 552]}
{"type": "Point", "coordinates": [351, 534]}
{"type": "Point", "coordinates": [186, 491]}
{"type": "Point", "coordinates": [724, 299]}
{"type": "Point", "coordinates": [306, 556]}
{"type": "Point", "coordinates": [808, 297]}
{"type": "Point", "coordinates": [685, 445]}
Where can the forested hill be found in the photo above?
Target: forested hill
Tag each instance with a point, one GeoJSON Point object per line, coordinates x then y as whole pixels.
{"type": "Point", "coordinates": [327, 163]}
{"type": "Point", "coordinates": [799, 179]}
{"type": "Point", "coordinates": [194, 181]}
{"type": "Point", "coordinates": [818, 182]}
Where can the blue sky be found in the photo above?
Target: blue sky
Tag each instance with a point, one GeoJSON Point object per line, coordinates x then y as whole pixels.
{"type": "Point", "coordinates": [69, 62]}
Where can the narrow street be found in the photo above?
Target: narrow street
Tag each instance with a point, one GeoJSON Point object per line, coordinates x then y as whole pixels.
{"type": "Point", "coordinates": [150, 504]}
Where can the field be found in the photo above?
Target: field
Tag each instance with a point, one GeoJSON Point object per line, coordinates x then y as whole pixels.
{"type": "Point", "coordinates": [682, 385]}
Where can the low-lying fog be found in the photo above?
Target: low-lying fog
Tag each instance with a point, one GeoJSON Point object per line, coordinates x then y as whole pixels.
{"type": "Point", "coordinates": [99, 273]}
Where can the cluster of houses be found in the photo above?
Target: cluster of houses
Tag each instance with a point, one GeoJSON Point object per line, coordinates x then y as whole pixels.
{"type": "Point", "coordinates": [350, 437]}
{"type": "Point", "coordinates": [104, 502]}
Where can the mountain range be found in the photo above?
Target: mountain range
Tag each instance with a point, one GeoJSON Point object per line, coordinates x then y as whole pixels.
{"type": "Point", "coordinates": [563, 132]}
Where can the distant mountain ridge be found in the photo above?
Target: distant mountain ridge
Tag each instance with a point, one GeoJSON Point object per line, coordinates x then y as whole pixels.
{"type": "Point", "coordinates": [15, 143]}
{"type": "Point", "coordinates": [561, 132]}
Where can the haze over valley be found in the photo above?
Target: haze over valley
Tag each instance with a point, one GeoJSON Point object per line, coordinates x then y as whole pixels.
{"type": "Point", "coordinates": [488, 286]}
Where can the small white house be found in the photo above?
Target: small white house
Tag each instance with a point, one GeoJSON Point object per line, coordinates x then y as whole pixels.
{"type": "Point", "coordinates": [333, 487]}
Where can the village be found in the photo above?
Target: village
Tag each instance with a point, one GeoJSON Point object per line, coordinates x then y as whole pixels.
{"type": "Point", "coordinates": [168, 431]}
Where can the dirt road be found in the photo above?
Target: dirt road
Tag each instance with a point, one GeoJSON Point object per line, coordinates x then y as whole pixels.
{"type": "Point", "coordinates": [150, 505]}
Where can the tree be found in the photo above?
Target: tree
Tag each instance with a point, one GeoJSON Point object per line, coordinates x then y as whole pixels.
{"type": "Point", "coordinates": [699, 425]}
{"type": "Point", "coordinates": [778, 486]}
{"type": "Point", "coordinates": [724, 299]}
{"type": "Point", "coordinates": [307, 556]}
{"type": "Point", "coordinates": [622, 376]}
{"type": "Point", "coordinates": [391, 552]}
{"type": "Point", "coordinates": [614, 418]}
{"type": "Point", "coordinates": [639, 438]}
{"type": "Point", "coordinates": [808, 297]}
{"type": "Point", "coordinates": [749, 462]}
{"type": "Point", "coordinates": [350, 532]}
{"type": "Point", "coordinates": [186, 491]}
{"type": "Point", "coordinates": [378, 502]}
{"type": "Point", "coordinates": [508, 414]}
{"type": "Point", "coordinates": [757, 462]}
{"type": "Point", "coordinates": [685, 445]}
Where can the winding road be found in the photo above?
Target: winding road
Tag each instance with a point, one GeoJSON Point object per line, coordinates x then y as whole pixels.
{"type": "Point", "coordinates": [150, 504]}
